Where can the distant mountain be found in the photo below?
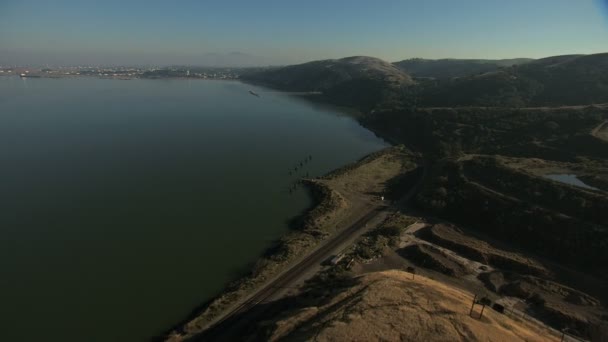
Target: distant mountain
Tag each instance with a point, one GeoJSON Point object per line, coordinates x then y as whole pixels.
{"type": "Point", "coordinates": [368, 83]}
{"type": "Point", "coordinates": [232, 59]}
{"type": "Point", "coordinates": [449, 68]}
{"type": "Point", "coordinates": [574, 79]}
{"type": "Point", "coordinates": [555, 60]}
{"type": "Point", "coordinates": [558, 80]}
{"type": "Point", "coordinates": [359, 81]}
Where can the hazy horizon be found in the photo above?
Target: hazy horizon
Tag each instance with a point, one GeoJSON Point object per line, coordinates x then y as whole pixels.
{"type": "Point", "coordinates": [276, 33]}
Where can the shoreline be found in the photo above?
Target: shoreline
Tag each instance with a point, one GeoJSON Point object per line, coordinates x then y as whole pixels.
{"type": "Point", "coordinates": [307, 232]}
{"type": "Point", "coordinates": [320, 195]}
{"type": "Point", "coordinates": [120, 78]}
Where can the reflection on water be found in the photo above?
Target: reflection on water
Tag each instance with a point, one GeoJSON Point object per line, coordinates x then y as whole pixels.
{"type": "Point", "coordinates": [570, 179]}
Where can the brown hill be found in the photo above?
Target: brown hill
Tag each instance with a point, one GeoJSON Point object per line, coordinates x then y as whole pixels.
{"type": "Point", "coordinates": [391, 306]}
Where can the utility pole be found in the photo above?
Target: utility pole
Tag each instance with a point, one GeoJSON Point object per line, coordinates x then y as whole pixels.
{"type": "Point", "coordinates": [472, 306]}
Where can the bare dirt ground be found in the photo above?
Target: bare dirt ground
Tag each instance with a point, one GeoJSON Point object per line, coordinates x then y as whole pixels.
{"type": "Point", "coordinates": [394, 306]}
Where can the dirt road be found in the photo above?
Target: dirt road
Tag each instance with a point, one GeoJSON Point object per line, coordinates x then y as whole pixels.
{"type": "Point", "coordinates": [601, 131]}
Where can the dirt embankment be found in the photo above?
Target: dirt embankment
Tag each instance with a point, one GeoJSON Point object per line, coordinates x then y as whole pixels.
{"type": "Point", "coordinates": [342, 197]}
{"type": "Point", "coordinates": [513, 274]}
{"type": "Point", "coordinates": [454, 239]}
{"type": "Point", "coordinates": [431, 257]}
{"type": "Point", "coordinates": [520, 282]}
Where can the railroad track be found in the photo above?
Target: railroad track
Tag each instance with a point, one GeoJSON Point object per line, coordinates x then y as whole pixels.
{"type": "Point", "coordinates": [316, 257]}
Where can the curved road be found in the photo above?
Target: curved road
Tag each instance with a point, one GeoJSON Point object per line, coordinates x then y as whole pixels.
{"type": "Point", "coordinates": [601, 131]}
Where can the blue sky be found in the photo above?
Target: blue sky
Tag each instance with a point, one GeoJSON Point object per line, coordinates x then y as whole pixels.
{"type": "Point", "coordinates": [283, 32]}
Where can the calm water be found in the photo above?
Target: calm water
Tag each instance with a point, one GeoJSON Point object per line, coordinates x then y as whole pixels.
{"type": "Point", "coordinates": [126, 203]}
{"type": "Point", "coordinates": [570, 179]}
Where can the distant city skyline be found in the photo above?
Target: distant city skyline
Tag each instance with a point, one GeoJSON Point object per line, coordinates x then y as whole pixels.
{"type": "Point", "coordinates": [240, 33]}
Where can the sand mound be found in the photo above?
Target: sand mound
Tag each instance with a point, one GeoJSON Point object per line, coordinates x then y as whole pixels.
{"type": "Point", "coordinates": [390, 306]}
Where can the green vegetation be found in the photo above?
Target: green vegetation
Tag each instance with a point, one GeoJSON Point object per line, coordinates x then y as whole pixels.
{"type": "Point", "coordinates": [511, 210]}
{"type": "Point", "coordinates": [558, 134]}
{"type": "Point", "coordinates": [374, 242]}
{"type": "Point", "coordinates": [585, 205]}
{"type": "Point", "coordinates": [555, 81]}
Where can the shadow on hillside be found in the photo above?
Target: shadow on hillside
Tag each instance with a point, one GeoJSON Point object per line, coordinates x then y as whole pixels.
{"type": "Point", "coordinates": [258, 322]}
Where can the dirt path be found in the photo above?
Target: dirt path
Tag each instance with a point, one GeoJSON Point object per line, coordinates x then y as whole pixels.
{"type": "Point", "coordinates": [601, 131]}
{"type": "Point", "coordinates": [474, 268]}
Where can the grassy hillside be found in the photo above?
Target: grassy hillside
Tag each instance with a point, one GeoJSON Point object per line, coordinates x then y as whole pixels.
{"type": "Point", "coordinates": [569, 80]}
{"type": "Point", "coordinates": [391, 306]}
{"type": "Point", "coordinates": [557, 221]}
{"type": "Point", "coordinates": [450, 68]}
{"type": "Point", "coordinates": [367, 83]}
{"type": "Point", "coordinates": [556, 134]}
{"type": "Point", "coordinates": [553, 81]}
{"type": "Point", "coordinates": [361, 82]}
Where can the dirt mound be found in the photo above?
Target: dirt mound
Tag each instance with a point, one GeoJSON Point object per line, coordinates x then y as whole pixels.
{"type": "Point", "coordinates": [494, 281]}
{"type": "Point", "coordinates": [452, 238]}
{"type": "Point", "coordinates": [391, 306]}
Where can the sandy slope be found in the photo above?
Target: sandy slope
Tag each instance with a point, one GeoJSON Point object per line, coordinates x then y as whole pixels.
{"type": "Point", "coordinates": [390, 306]}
